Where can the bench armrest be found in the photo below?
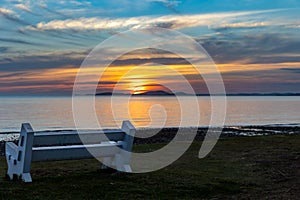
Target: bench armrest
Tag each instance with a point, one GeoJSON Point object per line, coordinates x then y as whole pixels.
{"type": "Point", "coordinates": [11, 149]}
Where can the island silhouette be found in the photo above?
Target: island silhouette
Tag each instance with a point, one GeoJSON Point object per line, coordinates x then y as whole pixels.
{"type": "Point", "coordinates": [164, 93]}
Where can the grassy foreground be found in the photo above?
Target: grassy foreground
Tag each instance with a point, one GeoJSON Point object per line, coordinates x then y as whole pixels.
{"type": "Point", "coordinates": [265, 167]}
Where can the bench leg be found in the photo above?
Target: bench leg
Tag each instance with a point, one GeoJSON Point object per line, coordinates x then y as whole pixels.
{"type": "Point", "coordinates": [123, 159]}
{"type": "Point", "coordinates": [14, 167]}
{"type": "Point", "coordinates": [106, 163]}
{"type": "Point", "coordinates": [11, 169]}
{"type": "Point", "coordinates": [26, 177]}
{"type": "Point", "coordinates": [127, 168]}
{"type": "Point", "coordinates": [121, 164]}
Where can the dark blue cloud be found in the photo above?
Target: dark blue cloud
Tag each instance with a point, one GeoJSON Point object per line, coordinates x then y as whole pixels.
{"type": "Point", "coordinates": [293, 70]}
{"type": "Point", "coordinates": [31, 63]}
{"type": "Point", "coordinates": [10, 40]}
{"type": "Point", "coordinates": [12, 75]}
{"type": "Point", "coordinates": [252, 48]}
{"type": "Point", "coordinates": [4, 49]}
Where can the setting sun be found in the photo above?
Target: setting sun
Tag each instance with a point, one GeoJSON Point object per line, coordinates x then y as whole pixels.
{"type": "Point", "coordinates": [139, 90]}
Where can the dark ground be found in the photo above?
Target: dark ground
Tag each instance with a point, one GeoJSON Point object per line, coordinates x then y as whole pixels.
{"type": "Point", "coordinates": [262, 167]}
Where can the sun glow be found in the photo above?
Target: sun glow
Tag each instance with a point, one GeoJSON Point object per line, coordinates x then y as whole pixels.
{"type": "Point", "coordinates": [139, 90]}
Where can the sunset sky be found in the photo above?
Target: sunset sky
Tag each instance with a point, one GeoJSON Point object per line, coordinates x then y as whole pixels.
{"type": "Point", "coordinates": [255, 43]}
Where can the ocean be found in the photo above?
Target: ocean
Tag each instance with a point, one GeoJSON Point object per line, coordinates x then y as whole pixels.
{"type": "Point", "coordinates": [55, 113]}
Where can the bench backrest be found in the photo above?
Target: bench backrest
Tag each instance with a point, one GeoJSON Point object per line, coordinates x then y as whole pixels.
{"type": "Point", "coordinates": [42, 146]}
{"type": "Point", "coordinates": [72, 137]}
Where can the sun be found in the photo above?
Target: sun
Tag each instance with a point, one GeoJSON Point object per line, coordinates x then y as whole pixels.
{"type": "Point", "coordinates": [139, 90]}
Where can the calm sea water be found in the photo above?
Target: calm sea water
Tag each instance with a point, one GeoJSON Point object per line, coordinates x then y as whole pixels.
{"type": "Point", "coordinates": [55, 113]}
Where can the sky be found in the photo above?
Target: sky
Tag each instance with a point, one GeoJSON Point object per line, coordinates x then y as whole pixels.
{"type": "Point", "coordinates": [255, 44]}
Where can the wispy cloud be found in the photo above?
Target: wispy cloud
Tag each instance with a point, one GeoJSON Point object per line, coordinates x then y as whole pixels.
{"type": "Point", "coordinates": [12, 16]}
{"type": "Point", "coordinates": [171, 21]}
{"type": "Point", "coordinates": [296, 26]}
{"type": "Point", "coordinates": [7, 13]}
{"type": "Point", "coordinates": [23, 7]}
{"type": "Point", "coordinates": [76, 3]}
{"type": "Point", "coordinates": [251, 24]}
{"type": "Point", "coordinates": [43, 5]}
{"type": "Point", "coordinates": [170, 4]}
{"type": "Point", "coordinates": [167, 2]}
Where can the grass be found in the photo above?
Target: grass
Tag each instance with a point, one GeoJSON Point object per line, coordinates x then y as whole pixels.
{"type": "Point", "coordinates": [239, 167]}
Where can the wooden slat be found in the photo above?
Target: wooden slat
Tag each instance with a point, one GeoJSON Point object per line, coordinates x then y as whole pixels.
{"type": "Point", "coordinates": [72, 137]}
{"type": "Point", "coordinates": [73, 152]}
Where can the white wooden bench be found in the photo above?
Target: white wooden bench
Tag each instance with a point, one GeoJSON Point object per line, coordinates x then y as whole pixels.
{"type": "Point", "coordinates": [69, 145]}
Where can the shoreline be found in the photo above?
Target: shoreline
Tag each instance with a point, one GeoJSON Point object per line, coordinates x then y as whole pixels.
{"type": "Point", "coordinates": [165, 135]}
{"type": "Point", "coordinates": [255, 128]}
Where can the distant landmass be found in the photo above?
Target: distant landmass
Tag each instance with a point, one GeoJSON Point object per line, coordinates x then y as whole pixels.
{"type": "Point", "coordinates": [256, 94]}
{"type": "Point", "coordinates": [148, 93]}
{"type": "Point", "coordinates": [155, 93]}
{"type": "Point", "coordinates": [110, 94]}
{"type": "Point", "coordinates": [164, 93]}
